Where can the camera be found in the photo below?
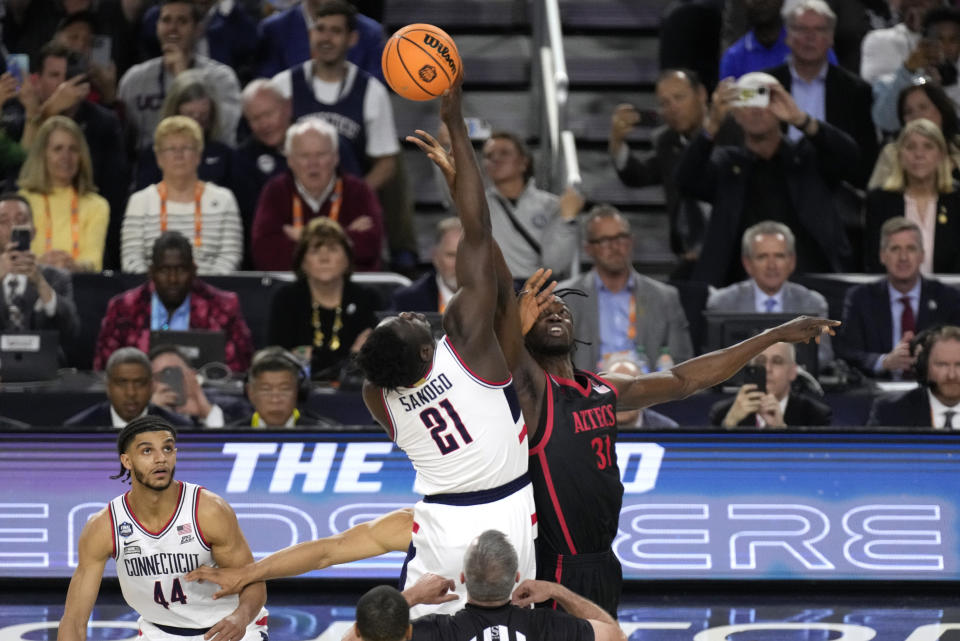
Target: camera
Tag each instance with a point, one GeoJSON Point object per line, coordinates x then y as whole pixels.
{"type": "Point", "coordinates": [752, 96]}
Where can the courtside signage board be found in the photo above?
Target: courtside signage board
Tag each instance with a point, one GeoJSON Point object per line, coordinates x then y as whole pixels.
{"type": "Point", "coordinates": [696, 505]}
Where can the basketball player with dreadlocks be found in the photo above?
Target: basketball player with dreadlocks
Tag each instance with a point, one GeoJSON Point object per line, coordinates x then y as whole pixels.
{"type": "Point", "coordinates": [571, 416]}
{"type": "Point", "coordinates": [157, 532]}
{"type": "Point", "coordinates": [450, 404]}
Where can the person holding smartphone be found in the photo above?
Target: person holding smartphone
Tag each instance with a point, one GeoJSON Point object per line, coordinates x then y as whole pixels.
{"type": "Point", "coordinates": [176, 388]}
{"type": "Point", "coordinates": [765, 400]}
{"type": "Point", "coordinates": [32, 297]}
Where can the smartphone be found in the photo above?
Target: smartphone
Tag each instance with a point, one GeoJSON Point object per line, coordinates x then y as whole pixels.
{"type": "Point", "coordinates": [18, 64]}
{"type": "Point", "coordinates": [102, 49]}
{"type": "Point", "coordinates": [756, 374]}
{"type": "Point", "coordinates": [76, 65]}
{"type": "Point", "coordinates": [648, 118]}
{"type": "Point", "coordinates": [20, 236]}
{"type": "Point", "coordinates": [752, 96]}
{"type": "Point", "coordinates": [173, 377]}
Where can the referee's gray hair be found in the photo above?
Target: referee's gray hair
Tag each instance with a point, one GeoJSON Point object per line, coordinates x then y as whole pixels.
{"type": "Point", "coordinates": [490, 567]}
{"type": "Point", "coordinates": [797, 8]}
{"type": "Point", "coordinates": [766, 228]}
{"type": "Point", "coordinates": [126, 356]}
{"type": "Point", "coordinates": [311, 123]}
{"type": "Point", "coordinates": [256, 86]}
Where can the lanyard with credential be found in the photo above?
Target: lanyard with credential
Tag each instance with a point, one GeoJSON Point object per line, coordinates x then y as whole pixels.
{"type": "Point", "coordinates": [74, 225]}
{"type": "Point", "coordinates": [335, 201]}
{"type": "Point", "coordinates": [197, 211]}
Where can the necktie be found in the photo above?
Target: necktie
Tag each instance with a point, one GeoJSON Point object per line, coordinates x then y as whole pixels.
{"type": "Point", "coordinates": [770, 303]}
{"type": "Point", "coordinates": [948, 419]}
{"type": "Point", "coordinates": [907, 321]}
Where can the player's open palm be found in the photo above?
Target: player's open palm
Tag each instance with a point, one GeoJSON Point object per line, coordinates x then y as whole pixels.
{"type": "Point", "coordinates": [230, 580]}
{"type": "Point", "coordinates": [534, 298]}
{"type": "Point", "coordinates": [436, 153]}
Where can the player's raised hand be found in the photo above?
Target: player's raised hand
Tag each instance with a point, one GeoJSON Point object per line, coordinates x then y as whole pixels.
{"type": "Point", "coordinates": [230, 580]}
{"type": "Point", "coordinates": [437, 153]}
{"type": "Point", "coordinates": [451, 111]}
{"type": "Point", "coordinates": [431, 589]}
{"type": "Point", "coordinates": [532, 591]}
{"type": "Point", "coordinates": [803, 328]}
{"type": "Point", "coordinates": [534, 298]}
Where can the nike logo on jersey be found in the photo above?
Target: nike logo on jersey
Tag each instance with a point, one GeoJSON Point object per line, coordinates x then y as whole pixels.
{"type": "Point", "coordinates": [126, 543]}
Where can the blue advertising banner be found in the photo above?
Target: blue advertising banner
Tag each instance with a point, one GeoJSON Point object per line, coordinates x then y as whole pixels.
{"type": "Point", "coordinates": [696, 505]}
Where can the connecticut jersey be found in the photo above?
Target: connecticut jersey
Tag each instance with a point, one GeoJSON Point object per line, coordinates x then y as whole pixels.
{"type": "Point", "coordinates": [151, 565]}
{"type": "Point", "coordinates": [461, 433]}
{"type": "Point", "coordinates": [573, 466]}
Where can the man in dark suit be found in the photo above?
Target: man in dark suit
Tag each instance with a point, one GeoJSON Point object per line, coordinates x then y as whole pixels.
{"type": "Point", "coordinates": [129, 386]}
{"type": "Point", "coordinates": [826, 91]}
{"type": "Point", "coordinates": [776, 406]}
{"type": "Point", "coordinates": [768, 177]}
{"type": "Point", "coordinates": [430, 292]}
{"type": "Point", "coordinates": [881, 318]}
{"type": "Point", "coordinates": [32, 297]}
{"type": "Point", "coordinates": [935, 403]}
{"type": "Point", "coordinates": [683, 106]}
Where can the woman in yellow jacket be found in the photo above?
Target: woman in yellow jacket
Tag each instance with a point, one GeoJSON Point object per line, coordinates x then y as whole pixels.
{"type": "Point", "coordinates": [70, 217]}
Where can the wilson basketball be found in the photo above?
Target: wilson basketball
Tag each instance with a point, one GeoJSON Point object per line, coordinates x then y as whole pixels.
{"type": "Point", "coordinates": [420, 62]}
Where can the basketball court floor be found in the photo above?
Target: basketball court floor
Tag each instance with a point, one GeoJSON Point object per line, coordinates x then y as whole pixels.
{"type": "Point", "coordinates": [321, 612]}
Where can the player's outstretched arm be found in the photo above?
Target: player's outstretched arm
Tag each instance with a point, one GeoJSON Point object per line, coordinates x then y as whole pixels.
{"type": "Point", "coordinates": [218, 523]}
{"type": "Point", "coordinates": [713, 368]}
{"type": "Point", "coordinates": [95, 547]}
{"type": "Point", "coordinates": [388, 533]}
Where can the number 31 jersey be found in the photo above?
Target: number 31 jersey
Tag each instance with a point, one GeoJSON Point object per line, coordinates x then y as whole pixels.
{"type": "Point", "coordinates": [461, 433]}
{"type": "Point", "coordinates": [573, 466]}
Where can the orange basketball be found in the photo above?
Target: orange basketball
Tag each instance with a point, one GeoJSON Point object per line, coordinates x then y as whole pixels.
{"type": "Point", "coordinates": [420, 62]}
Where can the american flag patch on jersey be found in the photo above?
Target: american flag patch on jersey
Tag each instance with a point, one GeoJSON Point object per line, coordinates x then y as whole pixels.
{"type": "Point", "coordinates": [184, 529]}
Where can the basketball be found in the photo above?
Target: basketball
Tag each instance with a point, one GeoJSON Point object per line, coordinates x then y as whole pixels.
{"type": "Point", "coordinates": [420, 62]}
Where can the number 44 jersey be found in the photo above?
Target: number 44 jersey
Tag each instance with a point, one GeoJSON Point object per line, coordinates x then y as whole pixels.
{"type": "Point", "coordinates": [461, 433]}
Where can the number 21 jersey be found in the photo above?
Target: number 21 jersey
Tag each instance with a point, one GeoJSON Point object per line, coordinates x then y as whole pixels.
{"type": "Point", "coordinates": [461, 433]}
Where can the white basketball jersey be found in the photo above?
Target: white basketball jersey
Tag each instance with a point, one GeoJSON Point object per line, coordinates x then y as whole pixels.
{"type": "Point", "coordinates": [461, 433]}
{"type": "Point", "coordinates": [151, 565]}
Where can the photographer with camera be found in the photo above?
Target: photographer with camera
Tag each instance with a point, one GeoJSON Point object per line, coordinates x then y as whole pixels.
{"type": "Point", "coordinates": [176, 388]}
{"type": "Point", "coordinates": [765, 398]}
{"type": "Point", "coordinates": [32, 297]}
{"type": "Point", "coordinates": [768, 177]}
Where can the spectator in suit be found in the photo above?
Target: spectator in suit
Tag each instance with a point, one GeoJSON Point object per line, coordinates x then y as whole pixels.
{"type": "Point", "coordinates": [70, 217]}
{"type": "Point", "coordinates": [534, 228]}
{"type": "Point", "coordinates": [180, 201]}
{"type": "Point", "coordinates": [769, 177]}
{"type": "Point", "coordinates": [928, 101]}
{"type": "Point", "coordinates": [33, 297]}
{"type": "Point", "coordinates": [920, 188]}
{"type": "Point", "coordinates": [769, 258]}
{"type": "Point", "coordinates": [623, 313]}
{"type": "Point", "coordinates": [432, 291]}
{"type": "Point", "coordinates": [276, 385]}
{"type": "Point", "coordinates": [189, 96]}
{"type": "Point", "coordinates": [935, 403]}
{"type": "Point", "coordinates": [928, 55]}
{"type": "Point", "coordinates": [62, 89]}
{"type": "Point", "coordinates": [284, 41]}
{"type": "Point", "coordinates": [881, 318]}
{"type": "Point", "coordinates": [776, 406]}
{"type": "Point", "coordinates": [826, 91]}
{"type": "Point", "coordinates": [144, 87]}
{"type": "Point", "coordinates": [683, 106]}
{"type": "Point", "coordinates": [764, 45]}
{"type": "Point", "coordinates": [129, 385]}
{"type": "Point", "coordinates": [261, 156]}
{"type": "Point", "coordinates": [173, 299]}
{"type": "Point", "coordinates": [323, 315]}
{"type": "Point", "coordinates": [314, 188]}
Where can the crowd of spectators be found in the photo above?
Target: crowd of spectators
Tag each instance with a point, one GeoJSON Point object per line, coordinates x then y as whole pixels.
{"type": "Point", "coordinates": [188, 138]}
